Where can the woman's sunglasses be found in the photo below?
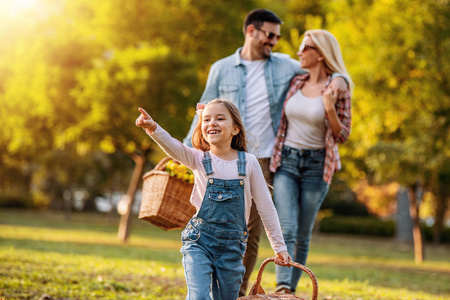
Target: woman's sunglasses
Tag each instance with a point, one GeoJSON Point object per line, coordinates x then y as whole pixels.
{"type": "Point", "coordinates": [305, 48]}
{"type": "Point", "coordinates": [269, 35]}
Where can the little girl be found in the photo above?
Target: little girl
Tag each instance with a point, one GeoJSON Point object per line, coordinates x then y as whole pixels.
{"type": "Point", "coordinates": [226, 180]}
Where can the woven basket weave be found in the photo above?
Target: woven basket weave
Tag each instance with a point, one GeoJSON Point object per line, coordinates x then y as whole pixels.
{"type": "Point", "coordinates": [257, 291]}
{"type": "Point", "coordinates": [165, 199]}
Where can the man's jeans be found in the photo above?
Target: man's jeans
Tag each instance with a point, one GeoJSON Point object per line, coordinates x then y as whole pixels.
{"type": "Point", "coordinates": [299, 190]}
{"type": "Point", "coordinates": [254, 231]}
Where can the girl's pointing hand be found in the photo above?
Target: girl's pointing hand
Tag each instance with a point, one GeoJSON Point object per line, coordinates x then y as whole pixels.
{"type": "Point", "coordinates": [145, 121]}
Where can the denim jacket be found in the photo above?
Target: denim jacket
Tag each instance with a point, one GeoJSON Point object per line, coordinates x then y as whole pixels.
{"type": "Point", "coordinates": [227, 80]}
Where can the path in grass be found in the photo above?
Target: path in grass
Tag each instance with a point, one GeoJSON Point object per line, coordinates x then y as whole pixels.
{"type": "Point", "coordinates": [41, 253]}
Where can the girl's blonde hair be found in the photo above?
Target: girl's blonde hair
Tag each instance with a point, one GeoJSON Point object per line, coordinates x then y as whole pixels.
{"type": "Point", "coordinates": [239, 141]}
{"type": "Point", "coordinates": [328, 46]}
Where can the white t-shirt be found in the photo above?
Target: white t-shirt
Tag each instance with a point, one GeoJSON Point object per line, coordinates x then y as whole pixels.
{"type": "Point", "coordinates": [258, 121]}
{"type": "Point", "coordinates": [306, 122]}
{"type": "Point", "coordinates": [254, 184]}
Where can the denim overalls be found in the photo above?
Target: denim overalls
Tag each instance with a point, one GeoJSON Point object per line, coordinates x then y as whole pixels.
{"type": "Point", "coordinates": [214, 241]}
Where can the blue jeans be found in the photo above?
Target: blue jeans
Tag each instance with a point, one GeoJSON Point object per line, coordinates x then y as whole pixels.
{"type": "Point", "coordinates": [299, 190]}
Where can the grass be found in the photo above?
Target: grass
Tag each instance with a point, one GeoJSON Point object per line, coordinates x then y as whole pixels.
{"type": "Point", "coordinates": [41, 253]}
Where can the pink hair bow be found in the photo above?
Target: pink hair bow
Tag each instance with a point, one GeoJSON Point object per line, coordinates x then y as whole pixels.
{"type": "Point", "coordinates": [200, 107]}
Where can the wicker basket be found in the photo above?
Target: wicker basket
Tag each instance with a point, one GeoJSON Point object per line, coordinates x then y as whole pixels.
{"type": "Point", "coordinates": [257, 291]}
{"type": "Point", "coordinates": [165, 199]}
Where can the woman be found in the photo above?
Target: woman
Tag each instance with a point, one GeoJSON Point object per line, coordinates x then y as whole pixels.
{"type": "Point", "coordinates": [305, 155]}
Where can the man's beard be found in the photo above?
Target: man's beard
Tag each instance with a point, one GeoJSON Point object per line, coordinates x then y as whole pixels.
{"type": "Point", "coordinates": [265, 55]}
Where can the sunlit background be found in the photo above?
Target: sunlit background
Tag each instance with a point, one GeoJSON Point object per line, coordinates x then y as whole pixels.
{"type": "Point", "coordinates": [72, 74]}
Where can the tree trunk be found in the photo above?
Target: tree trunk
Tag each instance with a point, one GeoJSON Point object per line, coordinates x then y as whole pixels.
{"type": "Point", "coordinates": [403, 220]}
{"type": "Point", "coordinates": [125, 219]}
{"type": "Point", "coordinates": [417, 234]}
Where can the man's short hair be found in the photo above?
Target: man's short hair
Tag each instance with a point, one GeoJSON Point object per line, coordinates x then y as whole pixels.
{"type": "Point", "coordinates": [258, 16]}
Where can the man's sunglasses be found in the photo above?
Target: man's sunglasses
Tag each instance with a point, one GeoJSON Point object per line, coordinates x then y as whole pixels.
{"type": "Point", "coordinates": [305, 48]}
{"type": "Point", "coordinates": [269, 35]}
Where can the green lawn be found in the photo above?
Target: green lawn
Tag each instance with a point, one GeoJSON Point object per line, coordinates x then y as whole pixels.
{"type": "Point", "coordinates": [41, 253]}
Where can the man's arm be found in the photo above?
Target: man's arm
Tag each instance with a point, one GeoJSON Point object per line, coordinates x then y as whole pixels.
{"type": "Point", "coordinates": [211, 92]}
{"type": "Point", "coordinates": [339, 85]}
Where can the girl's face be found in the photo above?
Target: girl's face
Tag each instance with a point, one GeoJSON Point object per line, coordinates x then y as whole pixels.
{"type": "Point", "coordinates": [308, 54]}
{"type": "Point", "coordinates": [218, 125]}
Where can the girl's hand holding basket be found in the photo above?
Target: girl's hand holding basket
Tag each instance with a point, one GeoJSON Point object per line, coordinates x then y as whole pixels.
{"type": "Point", "coordinates": [283, 258]}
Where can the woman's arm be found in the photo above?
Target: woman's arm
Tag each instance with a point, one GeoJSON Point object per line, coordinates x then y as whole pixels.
{"type": "Point", "coordinates": [339, 115]}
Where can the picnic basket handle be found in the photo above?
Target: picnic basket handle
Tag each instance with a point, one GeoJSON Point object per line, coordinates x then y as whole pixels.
{"type": "Point", "coordinates": [162, 164]}
{"type": "Point", "coordinates": [257, 289]}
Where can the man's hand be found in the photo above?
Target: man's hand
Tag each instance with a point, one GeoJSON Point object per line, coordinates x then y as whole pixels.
{"type": "Point", "coordinates": [339, 86]}
{"type": "Point", "coordinates": [329, 99]}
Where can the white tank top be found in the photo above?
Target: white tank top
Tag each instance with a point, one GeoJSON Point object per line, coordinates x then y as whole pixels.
{"type": "Point", "coordinates": [306, 122]}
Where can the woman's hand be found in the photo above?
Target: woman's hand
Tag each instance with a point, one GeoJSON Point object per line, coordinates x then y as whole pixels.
{"type": "Point", "coordinates": [283, 258]}
{"type": "Point", "coordinates": [329, 99]}
{"type": "Point", "coordinates": [145, 121]}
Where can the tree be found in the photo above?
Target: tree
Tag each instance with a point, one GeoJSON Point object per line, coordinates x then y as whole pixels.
{"type": "Point", "coordinates": [108, 97]}
{"type": "Point", "coordinates": [41, 58]}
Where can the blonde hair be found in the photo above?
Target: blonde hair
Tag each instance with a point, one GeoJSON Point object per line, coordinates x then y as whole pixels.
{"type": "Point", "coordinates": [239, 141]}
{"type": "Point", "coordinates": [328, 46]}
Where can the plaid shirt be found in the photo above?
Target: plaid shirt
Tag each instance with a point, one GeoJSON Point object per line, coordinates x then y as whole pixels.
{"type": "Point", "coordinates": [332, 159]}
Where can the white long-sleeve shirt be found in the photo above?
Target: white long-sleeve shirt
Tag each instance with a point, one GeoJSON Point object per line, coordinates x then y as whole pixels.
{"type": "Point", "coordinates": [254, 183]}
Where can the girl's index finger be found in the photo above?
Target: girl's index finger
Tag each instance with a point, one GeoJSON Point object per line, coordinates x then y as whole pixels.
{"type": "Point", "coordinates": [144, 113]}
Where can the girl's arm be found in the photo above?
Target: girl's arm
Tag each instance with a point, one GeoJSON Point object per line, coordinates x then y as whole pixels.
{"type": "Point", "coordinates": [172, 147]}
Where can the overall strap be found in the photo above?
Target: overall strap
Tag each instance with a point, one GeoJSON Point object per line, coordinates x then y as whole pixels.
{"type": "Point", "coordinates": [207, 163]}
{"type": "Point", "coordinates": [241, 163]}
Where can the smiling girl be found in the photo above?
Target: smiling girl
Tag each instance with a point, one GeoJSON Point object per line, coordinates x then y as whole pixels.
{"type": "Point", "coordinates": [226, 180]}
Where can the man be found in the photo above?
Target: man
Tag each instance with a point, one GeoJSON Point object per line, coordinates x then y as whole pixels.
{"type": "Point", "coordinates": [256, 80]}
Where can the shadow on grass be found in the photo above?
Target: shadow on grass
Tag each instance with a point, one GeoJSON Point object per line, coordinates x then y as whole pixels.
{"type": "Point", "coordinates": [103, 250]}
{"type": "Point", "coordinates": [413, 279]}
{"type": "Point", "coordinates": [386, 248]}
